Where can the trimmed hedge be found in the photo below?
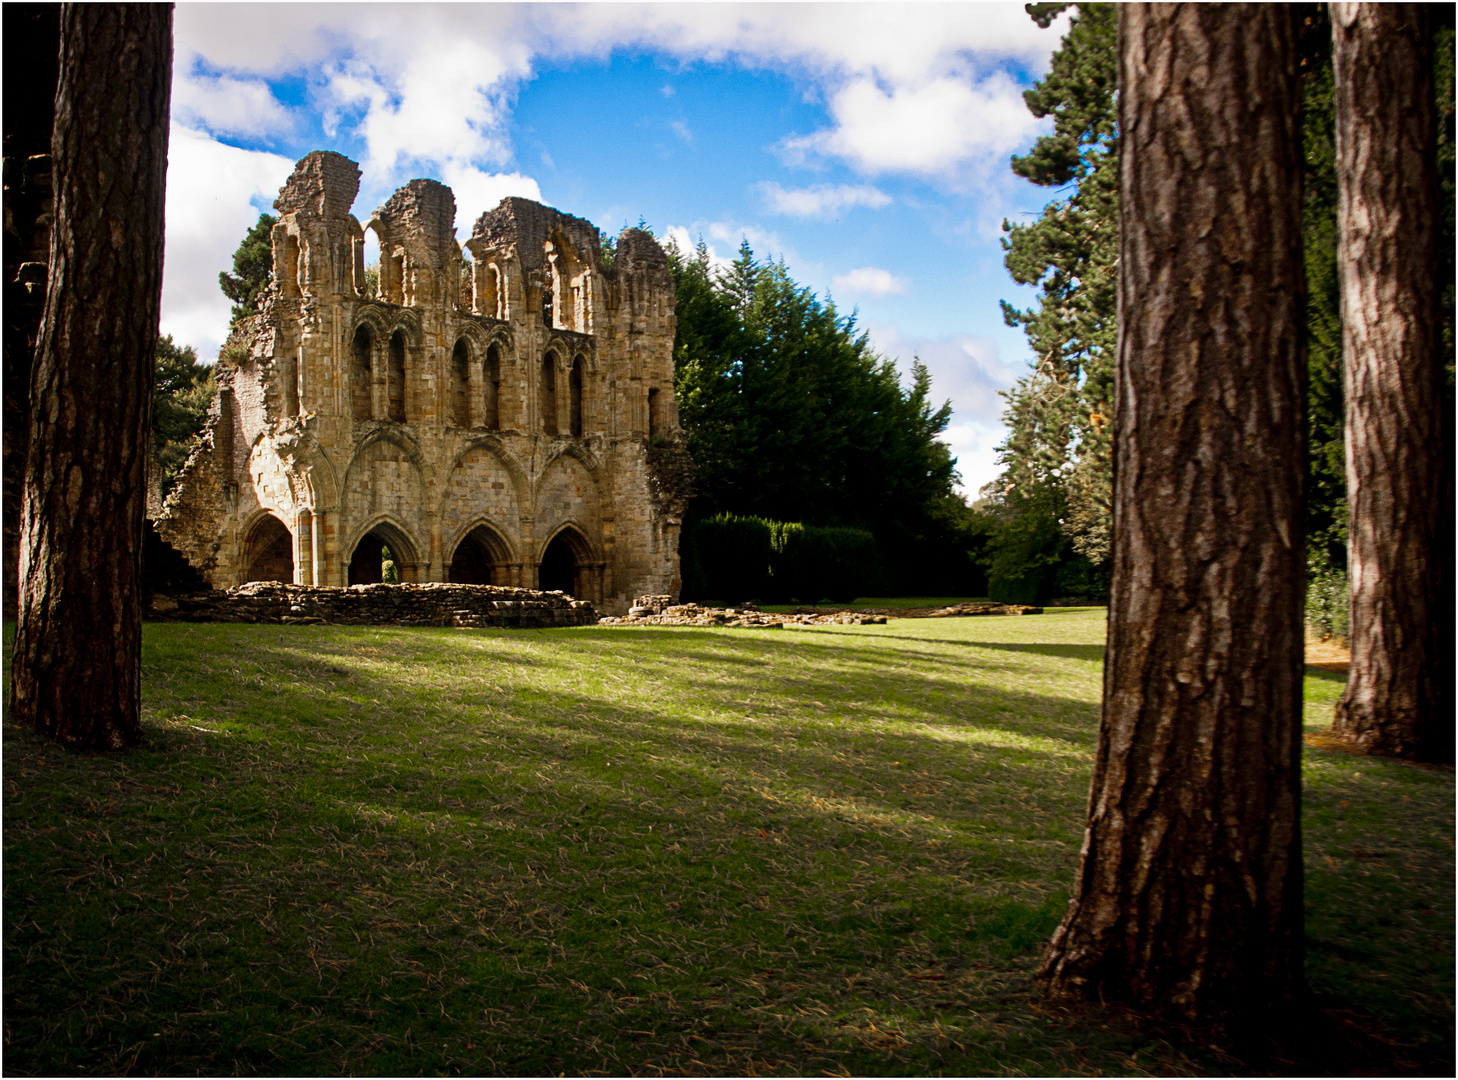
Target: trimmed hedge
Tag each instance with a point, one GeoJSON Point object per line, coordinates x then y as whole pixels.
{"type": "Point", "coordinates": [813, 563]}
{"type": "Point", "coordinates": [732, 556]}
{"type": "Point", "coordinates": [736, 559]}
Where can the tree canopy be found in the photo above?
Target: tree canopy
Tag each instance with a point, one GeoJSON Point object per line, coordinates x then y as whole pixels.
{"type": "Point", "coordinates": [1056, 458]}
{"type": "Point", "coordinates": [792, 416]}
{"type": "Point", "coordinates": [181, 397]}
{"type": "Point", "coordinates": [252, 268]}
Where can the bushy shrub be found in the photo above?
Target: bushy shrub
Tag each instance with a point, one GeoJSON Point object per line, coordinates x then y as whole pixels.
{"type": "Point", "coordinates": [1328, 600]}
{"type": "Point", "coordinates": [1080, 578]}
{"type": "Point", "coordinates": [1026, 553]}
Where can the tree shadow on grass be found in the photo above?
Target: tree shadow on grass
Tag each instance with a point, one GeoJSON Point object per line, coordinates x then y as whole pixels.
{"type": "Point", "coordinates": [1093, 653]}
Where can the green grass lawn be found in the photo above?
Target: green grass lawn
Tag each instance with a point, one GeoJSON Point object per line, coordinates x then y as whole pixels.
{"type": "Point", "coordinates": [634, 851]}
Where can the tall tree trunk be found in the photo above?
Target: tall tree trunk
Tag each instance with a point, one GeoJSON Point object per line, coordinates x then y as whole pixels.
{"type": "Point", "coordinates": [75, 674]}
{"type": "Point", "coordinates": [1398, 698]}
{"type": "Point", "coordinates": [1188, 894]}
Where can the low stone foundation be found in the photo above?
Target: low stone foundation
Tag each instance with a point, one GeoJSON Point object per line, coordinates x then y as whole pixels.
{"type": "Point", "coordinates": [434, 604]}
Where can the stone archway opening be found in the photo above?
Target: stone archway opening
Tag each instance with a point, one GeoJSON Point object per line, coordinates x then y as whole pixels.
{"type": "Point", "coordinates": [480, 559]}
{"type": "Point", "coordinates": [269, 552]}
{"type": "Point", "coordinates": [382, 554]}
{"type": "Point", "coordinates": [566, 565]}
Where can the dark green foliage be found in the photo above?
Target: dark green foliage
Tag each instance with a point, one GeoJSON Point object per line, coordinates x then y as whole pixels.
{"type": "Point", "coordinates": [815, 563]}
{"type": "Point", "coordinates": [252, 268]}
{"type": "Point", "coordinates": [791, 416]}
{"type": "Point", "coordinates": [1057, 415]}
{"type": "Point", "coordinates": [733, 556]}
{"type": "Point", "coordinates": [732, 559]}
{"type": "Point", "coordinates": [180, 401]}
{"type": "Point", "coordinates": [1026, 554]}
{"type": "Point", "coordinates": [1326, 483]}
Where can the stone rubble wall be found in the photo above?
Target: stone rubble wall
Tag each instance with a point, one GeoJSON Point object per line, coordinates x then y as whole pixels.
{"type": "Point", "coordinates": [657, 611]}
{"type": "Point", "coordinates": [435, 604]}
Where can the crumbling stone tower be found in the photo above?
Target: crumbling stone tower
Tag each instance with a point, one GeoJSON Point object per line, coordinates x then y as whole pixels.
{"type": "Point", "coordinates": [499, 415]}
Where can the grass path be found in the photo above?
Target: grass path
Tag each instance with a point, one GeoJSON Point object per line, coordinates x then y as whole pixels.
{"type": "Point", "coordinates": [632, 851]}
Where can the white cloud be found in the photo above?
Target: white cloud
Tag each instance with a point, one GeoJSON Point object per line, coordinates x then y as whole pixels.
{"type": "Point", "coordinates": [681, 129]}
{"type": "Point", "coordinates": [688, 243]}
{"type": "Point", "coordinates": [968, 370]}
{"type": "Point", "coordinates": [869, 281]}
{"type": "Point", "coordinates": [821, 200]}
{"type": "Point", "coordinates": [477, 192]}
{"type": "Point", "coordinates": [918, 90]}
{"type": "Point", "coordinates": [226, 105]}
{"type": "Point", "coordinates": [931, 128]}
{"type": "Point", "coordinates": [766, 245]}
{"type": "Point", "coordinates": [210, 192]}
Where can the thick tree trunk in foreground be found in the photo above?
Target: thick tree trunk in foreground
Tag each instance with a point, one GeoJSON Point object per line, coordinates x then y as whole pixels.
{"type": "Point", "coordinates": [1187, 900]}
{"type": "Point", "coordinates": [75, 675]}
{"type": "Point", "coordinates": [1398, 698]}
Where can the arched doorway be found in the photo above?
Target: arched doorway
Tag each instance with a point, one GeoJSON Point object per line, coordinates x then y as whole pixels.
{"type": "Point", "coordinates": [381, 554]}
{"type": "Point", "coordinates": [269, 552]}
{"type": "Point", "coordinates": [566, 565]}
{"type": "Point", "coordinates": [481, 558]}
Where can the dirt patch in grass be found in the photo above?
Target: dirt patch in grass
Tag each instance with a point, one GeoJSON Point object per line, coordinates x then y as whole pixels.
{"type": "Point", "coordinates": [627, 851]}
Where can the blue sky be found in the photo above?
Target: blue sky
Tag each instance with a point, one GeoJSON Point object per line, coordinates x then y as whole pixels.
{"type": "Point", "coordinates": [865, 144]}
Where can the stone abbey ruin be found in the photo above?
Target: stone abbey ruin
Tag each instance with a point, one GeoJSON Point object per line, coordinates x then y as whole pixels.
{"type": "Point", "coordinates": [501, 414]}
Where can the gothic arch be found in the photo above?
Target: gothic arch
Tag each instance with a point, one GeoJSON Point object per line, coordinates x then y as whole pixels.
{"type": "Point", "coordinates": [577, 537]}
{"type": "Point", "coordinates": [404, 548]}
{"type": "Point", "coordinates": [568, 561]}
{"type": "Point", "coordinates": [501, 542]}
{"type": "Point", "coordinates": [568, 346]}
{"type": "Point", "coordinates": [268, 548]}
{"type": "Point", "coordinates": [520, 482]}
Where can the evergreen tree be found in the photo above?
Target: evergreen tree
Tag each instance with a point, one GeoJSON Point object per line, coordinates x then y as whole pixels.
{"type": "Point", "coordinates": [792, 416]}
{"type": "Point", "coordinates": [182, 395]}
{"type": "Point", "coordinates": [1057, 453]}
{"type": "Point", "coordinates": [252, 268]}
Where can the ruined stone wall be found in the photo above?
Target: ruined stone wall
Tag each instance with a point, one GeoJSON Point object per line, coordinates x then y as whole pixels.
{"type": "Point", "coordinates": [488, 401]}
{"type": "Point", "coordinates": [474, 606]}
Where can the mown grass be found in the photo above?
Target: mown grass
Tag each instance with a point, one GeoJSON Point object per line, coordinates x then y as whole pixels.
{"type": "Point", "coordinates": [628, 851]}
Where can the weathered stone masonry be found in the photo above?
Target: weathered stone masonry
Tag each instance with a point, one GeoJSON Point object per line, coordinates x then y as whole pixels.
{"type": "Point", "coordinates": [501, 415]}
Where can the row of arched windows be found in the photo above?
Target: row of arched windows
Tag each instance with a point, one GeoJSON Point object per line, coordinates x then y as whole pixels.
{"type": "Point", "coordinates": [383, 398]}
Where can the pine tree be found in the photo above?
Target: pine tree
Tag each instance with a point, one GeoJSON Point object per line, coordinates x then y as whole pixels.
{"type": "Point", "coordinates": [252, 268]}
{"type": "Point", "coordinates": [180, 401]}
{"type": "Point", "coordinates": [1057, 453]}
{"type": "Point", "coordinates": [76, 663]}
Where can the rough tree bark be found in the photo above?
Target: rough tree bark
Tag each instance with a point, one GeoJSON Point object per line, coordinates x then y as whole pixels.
{"type": "Point", "coordinates": [1187, 900]}
{"type": "Point", "coordinates": [75, 673]}
{"type": "Point", "coordinates": [1399, 696]}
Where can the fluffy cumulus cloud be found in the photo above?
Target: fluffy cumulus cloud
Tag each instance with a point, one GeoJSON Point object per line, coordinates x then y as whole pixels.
{"type": "Point", "coordinates": [931, 127]}
{"type": "Point", "coordinates": [821, 200]}
{"type": "Point", "coordinates": [212, 196]}
{"type": "Point", "coordinates": [921, 89]}
{"type": "Point", "coordinates": [228, 105]}
{"type": "Point", "coordinates": [968, 370]}
{"type": "Point", "coordinates": [869, 281]}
